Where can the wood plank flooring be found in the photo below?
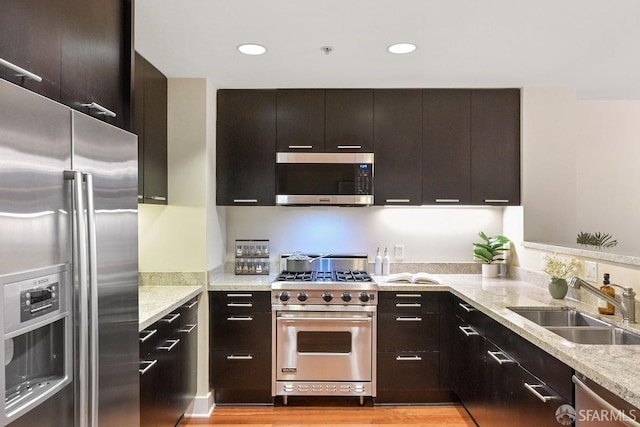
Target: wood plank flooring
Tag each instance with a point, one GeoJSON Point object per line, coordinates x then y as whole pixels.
{"type": "Point", "coordinates": [325, 416]}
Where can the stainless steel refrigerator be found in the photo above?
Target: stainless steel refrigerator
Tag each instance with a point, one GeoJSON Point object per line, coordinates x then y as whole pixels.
{"type": "Point", "coordinates": [68, 266]}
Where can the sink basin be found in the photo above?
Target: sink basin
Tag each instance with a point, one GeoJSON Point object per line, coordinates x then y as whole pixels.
{"type": "Point", "coordinates": [558, 316]}
{"type": "Point", "coordinates": [597, 335]}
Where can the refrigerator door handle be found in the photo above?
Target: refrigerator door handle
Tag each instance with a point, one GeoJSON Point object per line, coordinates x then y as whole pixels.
{"type": "Point", "coordinates": [93, 301]}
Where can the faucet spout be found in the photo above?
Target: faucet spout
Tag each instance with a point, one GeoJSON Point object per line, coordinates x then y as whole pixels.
{"type": "Point", "coordinates": [627, 307]}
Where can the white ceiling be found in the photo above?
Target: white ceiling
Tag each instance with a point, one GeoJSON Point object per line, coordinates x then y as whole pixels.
{"type": "Point", "coordinates": [590, 45]}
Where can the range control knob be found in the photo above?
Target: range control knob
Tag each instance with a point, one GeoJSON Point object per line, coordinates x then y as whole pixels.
{"type": "Point", "coordinates": [326, 296]}
{"type": "Point", "coordinates": [303, 296]}
{"type": "Point", "coordinates": [364, 297]}
{"type": "Point", "coordinates": [284, 296]}
{"type": "Point", "coordinates": [346, 296]}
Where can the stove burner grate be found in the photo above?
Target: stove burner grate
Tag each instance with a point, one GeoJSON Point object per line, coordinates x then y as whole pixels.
{"type": "Point", "coordinates": [325, 276]}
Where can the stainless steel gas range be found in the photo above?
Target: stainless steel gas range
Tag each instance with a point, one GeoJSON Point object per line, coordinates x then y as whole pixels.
{"type": "Point", "coordinates": [324, 330]}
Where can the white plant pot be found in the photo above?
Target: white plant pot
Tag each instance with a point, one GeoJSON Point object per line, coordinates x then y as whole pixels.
{"type": "Point", "coordinates": [490, 270]}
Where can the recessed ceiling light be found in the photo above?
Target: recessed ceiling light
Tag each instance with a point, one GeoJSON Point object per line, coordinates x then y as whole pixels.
{"type": "Point", "coordinates": [252, 49]}
{"type": "Point", "coordinates": [401, 48]}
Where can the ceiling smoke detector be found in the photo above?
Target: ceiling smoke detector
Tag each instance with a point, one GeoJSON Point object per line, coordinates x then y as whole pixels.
{"type": "Point", "coordinates": [326, 49]}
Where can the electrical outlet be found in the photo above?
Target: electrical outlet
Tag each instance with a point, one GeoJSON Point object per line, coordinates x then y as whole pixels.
{"type": "Point", "coordinates": [591, 271]}
{"type": "Point", "coordinates": [399, 255]}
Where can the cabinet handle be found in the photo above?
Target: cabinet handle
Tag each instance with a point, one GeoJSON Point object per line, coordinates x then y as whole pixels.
{"type": "Point", "coordinates": [101, 110]}
{"type": "Point", "coordinates": [239, 295]}
{"type": "Point", "coordinates": [239, 357]}
{"type": "Point", "coordinates": [240, 304]}
{"type": "Point", "coordinates": [349, 147]}
{"type": "Point", "coordinates": [300, 147]}
{"type": "Point", "coordinates": [447, 200]}
{"type": "Point", "coordinates": [20, 71]}
{"type": "Point", "coordinates": [240, 318]}
{"type": "Point", "coordinates": [501, 361]}
{"type": "Point", "coordinates": [245, 200]}
{"type": "Point", "coordinates": [193, 304]}
{"type": "Point", "coordinates": [405, 358]}
{"type": "Point", "coordinates": [158, 198]}
{"type": "Point", "coordinates": [140, 197]}
{"type": "Point", "coordinates": [496, 200]}
{"type": "Point", "coordinates": [408, 295]}
{"type": "Point", "coordinates": [170, 346]}
{"type": "Point", "coordinates": [171, 319]}
{"type": "Point", "coordinates": [468, 308]}
{"type": "Point", "coordinates": [148, 335]}
{"type": "Point", "coordinates": [398, 201]}
{"type": "Point", "coordinates": [532, 389]}
{"type": "Point", "coordinates": [150, 364]}
{"type": "Point", "coordinates": [468, 330]}
{"type": "Point", "coordinates": [408, 304]}
{"type": "Point", "coordinates": [408, 319]}
{"type": "Point", "coordinates": [188, 328]}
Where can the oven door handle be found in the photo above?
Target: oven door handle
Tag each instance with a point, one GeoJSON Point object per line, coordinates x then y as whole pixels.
{"type": "Point", "coordinates": [323, 319]}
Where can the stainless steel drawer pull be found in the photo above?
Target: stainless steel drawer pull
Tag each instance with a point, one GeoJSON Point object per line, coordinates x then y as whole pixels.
{"type": "Point", "coordinates": [239, 357]}
{"type": "Point", "coordinates": [170, 318]}
{"type": "Point", "coordinates": [447, 200]}
{"type": "Point", "coordinates": [532, 389]}
{"type": "Point", "coordinates": [101, 110]}
{"type": "Point", "coordinates": [468, 331]}
{"type": "Point", "coordinates": [398, 357]}
{"type": "Point", "coordinates": [170, 346]}
{"type": "Point", "coordinates": [496, 200]}
{"type": "Point", "coordinates": [349, 147]}
{"type": "Point", "coordinates": [193, 304]}
{"type": "Point", "coordinates": [157, 198]}
{"type": "Point", "coordinates": [468, 308]}
{"type": "Point", "coordinates": [240, 318]}
{"type": "Point", "coordinates": [408, 295]}
{"type": "Point", "coordinates": [398, 201]}
{"type": "Point", "coordinates": [300, 147]}
{"type": "Point", "coordinates": [240, 304]}
{"type": "Point", "coordinates": [245, 200]}
{"type": "Point", "coordinates": [239, 295]}
{"type": "Point", "coordinates": [148, 334]}
{"type": "Point", "coordinates": [20, 71]}
{"type": "Point", "coordinates": [501, 360]}
{"type": "Point", "coordinates": [150, 364]}
{"type": "Point", "coordinates": [408, 304]}
{"type": "Point", "coordinates": [188, 328]}
{"type": "Point", "coordinates": [408, 319]}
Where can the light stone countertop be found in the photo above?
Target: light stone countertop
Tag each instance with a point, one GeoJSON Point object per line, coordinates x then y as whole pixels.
{"type": "Point", "coordinates": [155, 302]}
{"type": "Point", "coordinates": [612, 366]}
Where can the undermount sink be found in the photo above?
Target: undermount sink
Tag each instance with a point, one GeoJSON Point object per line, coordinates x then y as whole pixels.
{"type": "Point", "coordinates": [576, 326]}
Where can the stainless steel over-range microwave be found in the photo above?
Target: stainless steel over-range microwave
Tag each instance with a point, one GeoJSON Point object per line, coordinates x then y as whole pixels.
{"type": "Point", "coordinates": [324, 179]}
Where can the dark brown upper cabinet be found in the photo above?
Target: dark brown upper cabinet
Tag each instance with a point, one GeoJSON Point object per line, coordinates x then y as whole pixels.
{"type": "Point", "coordinates": [495, 147]}
{"type": "Point", "coordinates": [397, 134]}
{"type": "Point", "coordinates": [300, 120]}
{"type": "Point", "coordinates": [150, 124]}
{"type": "Point", "coordinates": [446, 155]}
{"type": "Point", "coordinates": [349, 120]}
{"type": "Point", "coordinates": [246, 147]}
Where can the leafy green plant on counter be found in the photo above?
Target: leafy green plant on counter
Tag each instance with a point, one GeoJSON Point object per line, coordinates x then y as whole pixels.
{"type": "Point", "coordinates": [490, 249]}
{"type": "Point", "coordinates": [599, 240]}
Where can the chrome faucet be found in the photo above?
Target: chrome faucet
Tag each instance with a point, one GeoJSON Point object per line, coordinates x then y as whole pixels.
{"type": "Point", "coordinates": [627, 305]}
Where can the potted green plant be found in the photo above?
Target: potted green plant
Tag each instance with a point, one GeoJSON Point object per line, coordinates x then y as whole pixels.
{"type": "Point", "coordinates": [489, 251]}
{"type": "Point", "coordinates": [558, 270]}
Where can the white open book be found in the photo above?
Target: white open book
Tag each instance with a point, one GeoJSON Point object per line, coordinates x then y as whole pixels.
{"type": "Point", "coordinates": [415, 278]}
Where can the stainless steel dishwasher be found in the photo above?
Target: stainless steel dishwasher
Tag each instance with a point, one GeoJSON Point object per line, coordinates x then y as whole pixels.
{"type": "Point", "coordinates": [596, 406]}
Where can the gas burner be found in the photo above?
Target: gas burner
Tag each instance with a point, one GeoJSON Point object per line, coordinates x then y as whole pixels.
{"type": "Point", "coordinates": [352, 276]}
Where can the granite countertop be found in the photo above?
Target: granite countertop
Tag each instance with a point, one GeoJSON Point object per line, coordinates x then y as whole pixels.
{"type": "Point", "coordinates": [155, 302]}
{"type": "Point", "coordinates": [612, 366]}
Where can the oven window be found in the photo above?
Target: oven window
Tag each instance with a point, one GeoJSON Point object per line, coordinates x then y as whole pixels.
{"type": "Point", "coordinates": [324, 342]}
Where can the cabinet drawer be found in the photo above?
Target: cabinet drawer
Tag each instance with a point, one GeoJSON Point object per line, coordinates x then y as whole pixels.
{"type": "Point", "coordinates": [242, 332]}
{"type": "Point", "coordinates": [408, 332]}
{"type": "Point", "coordinates": [240, 302]}
{"type": "Point", "coordinates": [409, 302]}
{"type": "Point", "coordinates": [409, 370]}
{"type": "Point", "coordinates": [241, 370]}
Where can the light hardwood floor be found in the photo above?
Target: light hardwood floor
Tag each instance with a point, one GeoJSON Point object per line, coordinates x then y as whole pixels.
{"type": "Point", "coordinates": [325, 416]}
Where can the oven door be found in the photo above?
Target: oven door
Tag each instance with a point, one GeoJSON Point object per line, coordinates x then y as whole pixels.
{"type": "Point", "coordinates": [324, 346]}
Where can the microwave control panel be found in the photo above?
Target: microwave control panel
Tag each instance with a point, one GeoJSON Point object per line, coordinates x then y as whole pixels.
{"type": "Point", "coordinates": [364, 173]}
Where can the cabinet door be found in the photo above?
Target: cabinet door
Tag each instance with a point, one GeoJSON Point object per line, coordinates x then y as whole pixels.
{"type": "Point", "coordinates": [468, 365]}
{"type": "Point", "coordinates": [30, 38]}
{"type": "Point", "coordinates": [534, 402]}
{"type": "Point", "coordinates": [241, 377]}
{"type": "Point", "coordinates": [246, 147]}
{"type": "Point", "coordinates": [138, 118]}
{"type": "Point", "coordinates": [397, 134]}
{"type": "Point", "coordinates": [446, 161]}
{"type": "Point", "coordinates": [495, 146]}
{"type": "Point", "coordinates": [349, 120]}
{"type": "Point", "coordinates": [97, 57]}
{"type": "Point", "coordinates": [300, 120]}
